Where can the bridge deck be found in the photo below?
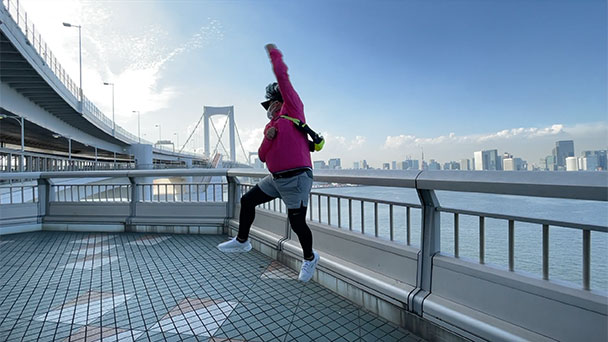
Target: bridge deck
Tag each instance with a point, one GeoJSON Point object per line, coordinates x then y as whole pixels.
{"type": "Point", "coordinates": [137, 287]}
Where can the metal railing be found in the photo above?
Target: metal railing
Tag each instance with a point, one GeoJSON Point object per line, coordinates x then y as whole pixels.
{"type": "Point", "coordinates": [349, 212]}
{"type": "Point", "coordinates": [183, 192]}
{"type": "Point", "coordinates": [377, 218]}
{"type": "Point", "coordinates": [371, 217]}
{"type": "Point", "coordinates": [147, 192]}
{"type": "Point", "coordinates": [18, 194]}
{"type": "Point", "coordinates": [35, 162]}
{"type": "Point", "coordinates": [91, 193]}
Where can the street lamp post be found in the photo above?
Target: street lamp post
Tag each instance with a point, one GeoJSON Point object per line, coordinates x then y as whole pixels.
{"type": "Point", "coordinates": [159, 133]}
{"type": "Point", "coordinates": [79, 58]}
{"type": "Point", "coordinates": [113, 122]}
{"type": "Point", "coordinates": [138, 126]}
{"type": "Point", "coordinates": [56, 136]}
{"type": "Point", "coordinates": [21, 122]}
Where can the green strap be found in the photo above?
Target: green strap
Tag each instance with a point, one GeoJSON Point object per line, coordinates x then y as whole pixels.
{"type": "Point", "coordinates": [317, 140]}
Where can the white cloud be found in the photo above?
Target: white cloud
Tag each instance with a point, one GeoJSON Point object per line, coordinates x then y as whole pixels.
{"type": "Point", "coordinates": [129, 51]}
{"type": "Point", "coordinates": [396, 142]}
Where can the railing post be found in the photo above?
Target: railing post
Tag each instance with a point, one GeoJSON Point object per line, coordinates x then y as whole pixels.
{"type": "Point", "coordinates": [429, 246]}
{"type": "Point", "coordinates": [44, 197]}
{"type": "Point", "coordinates": [233, 196]}
{"type": "Point", "coordinates": [586, 259]}
{"type": "Point", "coordinates": [129, 226]}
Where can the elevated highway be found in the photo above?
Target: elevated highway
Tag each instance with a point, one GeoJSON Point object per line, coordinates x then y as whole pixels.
{"type": "Point", "coordinates": [57, 118]}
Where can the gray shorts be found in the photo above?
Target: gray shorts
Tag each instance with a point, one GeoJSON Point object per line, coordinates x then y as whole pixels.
{"type": "Point", "coordinates": [294, 191]}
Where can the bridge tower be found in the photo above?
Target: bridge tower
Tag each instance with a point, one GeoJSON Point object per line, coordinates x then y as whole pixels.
{"type": "Point", "coordinates": [229, 112]}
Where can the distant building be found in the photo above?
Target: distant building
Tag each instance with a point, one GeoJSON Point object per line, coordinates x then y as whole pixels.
{"type": "Point", "coordinates": [394, 165]}
{"type": "Point", "coordinates": [356, 165]}
{"type": "Point", "coordinates": [319, 164]}
{"type": "Point", "coordinates": [514, 164]}
{"type": "Point", "coordinates": [550, 163]}
{"type": "Point", "coordinates": [487, 160]}
{"type": "Point", "coordinates": [433, 165]}
{"type": "Point", "coordinates": [386, 166]}
{"type": "Point", "coordinates": [451, 166]}
{"type": "Point", "coordinates": [410, 164]}
{"type": "Point", "coordinates": [599, 157]}
{"type": "Point", "coordinates": [465, 164]}
{"type": "Point", "coordinates": [335, 163]}
{"type": "Point", "coordinates": [563, 149]}
{"type": "Point", "coordinates": [571, 164]}
{"type": "Point", "coordinates": [364, 164]}
{"type": "Point", "coordinates": [588, 163]}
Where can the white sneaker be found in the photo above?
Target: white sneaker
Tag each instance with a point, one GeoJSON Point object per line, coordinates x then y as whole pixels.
{"type": "Point", "coordinates": [234, 246]}
{"type": "Point", "coordinates": [308, 268]}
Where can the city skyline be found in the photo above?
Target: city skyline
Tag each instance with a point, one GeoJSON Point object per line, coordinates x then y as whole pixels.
{"type": "Point", "coordinates": [554, 161]}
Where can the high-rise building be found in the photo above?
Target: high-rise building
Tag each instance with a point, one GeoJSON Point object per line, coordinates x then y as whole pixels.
{"type": "Point", "coordinates": [335, 163]}
{"type": "Point", "coordinates": [588, 163]}
{"type": "Point", "coordinates": [465, 164]}
{"type": "Point", "coordinates": [487, 160]}
{"type": "Point", "coordinates": [600, 158]}
{"type": "Point", "coordinates": [364, 164]}
{"type": "Point", "coordinates": [571, 164]}
{"type": "Point", "coordinates": [410, 164]}
{"type": "Point", "coordinates": [356, 165]}
{"type": "Point", "coordinates": [434, 165]}
{"type": "Point", "coordinates": [319, 164]}
{"type": "Point", "coordinates": [452, 165]}
{"type": "Point", "coordinates": [550, 163]}
{"type": "Point", "coordinates": [563, 149]}
{"type": "Point", "coordinates": [478, 160]}
{"type": "Point", "coordinates": [386, 166]}
{"type": "Point", "coordinates": [514, 164]}
{"type": "Point", "coordinates": [394, 165]}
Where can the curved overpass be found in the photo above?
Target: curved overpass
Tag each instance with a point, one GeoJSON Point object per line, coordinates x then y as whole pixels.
{"type": "Point", "coordinates": [57, 116]}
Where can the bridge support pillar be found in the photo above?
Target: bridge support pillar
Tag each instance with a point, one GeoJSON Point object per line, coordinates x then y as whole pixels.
{"type": "Point", "coordinates": [143, 161]}
{"type": "Point", "coordinates": [208, 112]}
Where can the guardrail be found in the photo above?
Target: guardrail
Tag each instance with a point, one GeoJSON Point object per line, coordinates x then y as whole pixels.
{"type": "Point", "coordinates": [436, 276]}
{"type": "Point", "coordinates": [35, 162]}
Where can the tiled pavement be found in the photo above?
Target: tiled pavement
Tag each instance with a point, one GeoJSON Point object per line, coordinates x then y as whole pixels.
{"type": "Point", "coordinates": [58, 286]}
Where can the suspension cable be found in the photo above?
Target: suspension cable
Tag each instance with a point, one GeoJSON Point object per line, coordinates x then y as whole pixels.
{"type": "Point", "coordinates": [219, 141]}
{"type": "Point", "coordinates": [245, 155]}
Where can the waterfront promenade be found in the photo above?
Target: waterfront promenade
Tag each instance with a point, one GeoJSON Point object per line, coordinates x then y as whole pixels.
{"type": "Point", "coordinates": [65, 286]}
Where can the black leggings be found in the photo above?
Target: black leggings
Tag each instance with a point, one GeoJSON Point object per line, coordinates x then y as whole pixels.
{"type": "Point", "coordinates": [297, 219]}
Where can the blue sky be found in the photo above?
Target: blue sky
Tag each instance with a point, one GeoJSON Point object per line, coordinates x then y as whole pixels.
{"type": "Point", "coordinates": [381, 79]}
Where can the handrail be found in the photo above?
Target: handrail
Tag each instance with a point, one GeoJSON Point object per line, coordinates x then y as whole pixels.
{"type": "Point", "coordinates": [573, 185]}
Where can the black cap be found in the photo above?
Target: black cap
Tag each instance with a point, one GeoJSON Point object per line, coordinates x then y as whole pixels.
{"type": "Point", "coordinates": [273, 93]}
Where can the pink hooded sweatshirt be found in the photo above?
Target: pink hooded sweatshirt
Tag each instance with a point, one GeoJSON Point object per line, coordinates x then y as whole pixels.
{"type": "Point", "coordinates": [289, 148]}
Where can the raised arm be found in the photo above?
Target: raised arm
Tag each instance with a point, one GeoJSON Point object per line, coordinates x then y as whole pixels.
{"type": "Point", "coordinates": [291, 100]}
